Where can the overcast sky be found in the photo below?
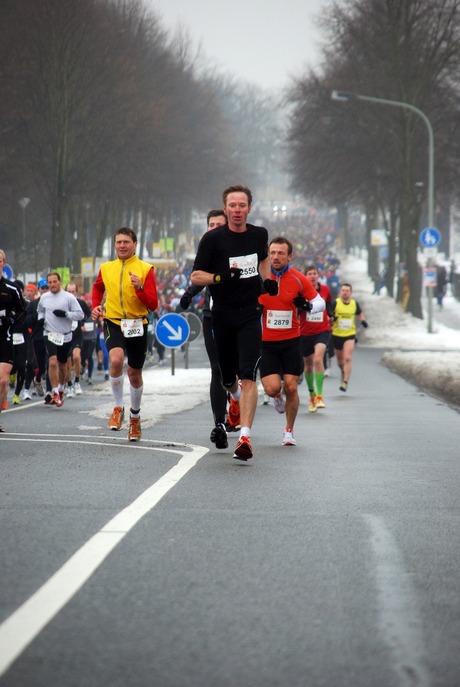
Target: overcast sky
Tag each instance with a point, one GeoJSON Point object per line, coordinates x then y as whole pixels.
{"type": "Point", "coordinates": [263, 41]}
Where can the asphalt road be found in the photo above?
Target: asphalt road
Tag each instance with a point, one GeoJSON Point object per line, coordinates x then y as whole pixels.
{"type": "Point", "coordinates": [334, 563]}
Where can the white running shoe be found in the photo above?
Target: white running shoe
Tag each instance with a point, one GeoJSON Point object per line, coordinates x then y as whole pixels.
{"type": "Point", "coordinates": [266, 400]}
{"type": "Point", "coordinates": [77, 387]}
{"type": "Point", "coordinates": [280, 403]}
{"type": "Point", "coordinates": [26, 395]}
{"type": "Point", "coordinates": [69, 392]}
{"type": "Point", "coordinates": [288, 439]}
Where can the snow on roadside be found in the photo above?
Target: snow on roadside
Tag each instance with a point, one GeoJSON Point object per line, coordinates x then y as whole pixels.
{"type": "Point", "coordinates": [428, 360]}
{"type": "Point", "coordinates": [164, 393]}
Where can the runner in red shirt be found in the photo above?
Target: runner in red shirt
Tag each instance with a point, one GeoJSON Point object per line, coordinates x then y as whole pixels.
{"type": "Point", "coordinates": [281, 362]}
{"type": "Point", "coordinates": [315, 330]}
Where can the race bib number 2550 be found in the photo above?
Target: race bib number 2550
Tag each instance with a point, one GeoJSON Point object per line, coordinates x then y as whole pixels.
{"type": "Point", "coordinates": [246, 263]}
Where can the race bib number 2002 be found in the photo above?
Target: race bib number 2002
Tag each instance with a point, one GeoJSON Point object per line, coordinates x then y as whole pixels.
{"type": "Point", "coordinates": [131, 328]}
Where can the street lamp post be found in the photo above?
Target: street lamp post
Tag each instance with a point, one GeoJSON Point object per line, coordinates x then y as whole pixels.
{"type": "Point", "coordinates": [345, 96]}
{"type": "Point", "coordinates": [24, 202]}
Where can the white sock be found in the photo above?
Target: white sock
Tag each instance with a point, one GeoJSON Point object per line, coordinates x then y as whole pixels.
{"type": "Point", "coordinates": [117, 390]}
{"type": "Point", "coordinates": [236, 395]}
{"type": "Point", "coordinates": [136, 396]}
{"type": "Point", "coordinates": [245, 432]}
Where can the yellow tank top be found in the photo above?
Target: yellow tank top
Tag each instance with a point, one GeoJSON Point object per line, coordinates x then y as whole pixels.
{"type": "Point", "coordinates": [344, 323]}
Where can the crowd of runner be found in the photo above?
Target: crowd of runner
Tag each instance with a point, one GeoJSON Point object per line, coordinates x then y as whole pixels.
{"type": "Point", "coordinates": [55, 369]}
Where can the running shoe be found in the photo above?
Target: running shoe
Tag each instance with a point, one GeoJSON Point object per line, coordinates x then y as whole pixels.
{"type": "Point", "coordinates": [16, 400]}
{"type": "Point", "coordinates": [54, 399]}
{"type": "Point", "coordinates": [60, 401]}
{"type": "Point", "coordinates": [134, 429]}
{"type": "Point", "coordinates": [243, 450]}
{"type": "Point", "coordinates": [233, 415]}
{"type": "Point", "coordinates": [115, 421]}
{"type": "Point", "coordinates": [219, 436]}
{"type": "Point", "coordinates": [312, 405]}
{"type": "Point", "coordinates": [77, 388]}
{"type": "Point", "coordinates": [38, 388]}
{"type": "Point", "coordinates": [26, 395]}
{"type": "Point", "coordinates": [1, 429]}
{"type": "Point", "coordinates": [70, 392]}
{"type": "Point", "coordinates": [48, 398]}
{"type": "Point", "coordinates": [343, 386]}
{"type": "Point", "coordinates": [90, 382]}
{"type": "Point", "coordinates": [288, 439]}
{"type": "Point", "coordinates": [266, 400]}
{"type": "Point", "coordinates": [280, 403]}
{"type": "Point", "coordinates": [319, 402]}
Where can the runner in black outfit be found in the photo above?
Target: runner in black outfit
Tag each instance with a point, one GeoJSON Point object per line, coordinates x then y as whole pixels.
{"type": "Point", "coordinates": [229, 261]}
{"type": "Point", "coordinates": [12, 310]}
{"type": "Point", "coordinates": [217, 394]}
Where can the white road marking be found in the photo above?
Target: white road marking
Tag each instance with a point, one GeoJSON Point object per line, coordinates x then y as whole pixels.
{"type": "Point", "coordinates": [400, 621]}
{"type": "Point", "coordinates": [21, 628]}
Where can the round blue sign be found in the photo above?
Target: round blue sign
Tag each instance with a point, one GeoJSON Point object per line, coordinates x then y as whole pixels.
{"type": "Point", "coordinates": [430, 237]}
{"type": "Point", "coordinates": [172, 330]}
{"type": "Point", "coordinates": [7, 272]}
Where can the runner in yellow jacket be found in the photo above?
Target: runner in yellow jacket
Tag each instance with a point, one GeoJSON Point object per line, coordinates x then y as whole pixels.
{"type": "Point", "coordinates": [130, 289]}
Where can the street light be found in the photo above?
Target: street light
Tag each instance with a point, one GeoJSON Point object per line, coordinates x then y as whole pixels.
{"type": "Point", "coordinates": [345, 96]}
{"type": "Point", "coordinates": [24, 202]}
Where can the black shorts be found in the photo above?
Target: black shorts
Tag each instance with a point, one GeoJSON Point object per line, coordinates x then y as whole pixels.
{"type": "Point", "coordinates": [134, 347]}
{"type": "Point", "coordinates": [281, 357]}
{"type": "Point", "coordinates": [77, 339]}
{"type": "Point", "coordinates": [61, 352]}
{"type": "Point", "coordinates": [6, 350]}
{"type": "Point", "coordinates": [308, 343]}
{"type": "Point", "coordinates": [238, 336]}
{"type": "Point", "coordinates": [338, 341]}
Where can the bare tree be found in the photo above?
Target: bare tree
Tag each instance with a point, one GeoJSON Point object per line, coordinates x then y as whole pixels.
{"type": "Point", "coordinates": [406, 51]}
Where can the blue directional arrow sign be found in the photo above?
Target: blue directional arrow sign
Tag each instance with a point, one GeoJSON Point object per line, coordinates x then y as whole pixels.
{"type": "Point", "coordinates": [430, 237]}
{"type": "Point", "coordinates": [7, 271]}
{"type": "Point", "coordinates": [172, 330]}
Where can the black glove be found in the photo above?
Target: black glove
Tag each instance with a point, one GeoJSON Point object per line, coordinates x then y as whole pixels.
{"type": "Point", "coordinates": [227, 275]}
{"type": "Point", "coordinates": [302, 303]}
{"type": "Point", "coordinates": [60, 313]}
{"type": "Point", "coordinates": [271, 287]}
{"type": "Point", "coordinates": [185, 301]}
{"type": "Point", "coordinates": [364, 324]}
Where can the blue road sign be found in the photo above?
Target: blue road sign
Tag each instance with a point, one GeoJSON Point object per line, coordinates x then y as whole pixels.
{"type": "Point", "coordinates": [172, 330]}
{"type": "Point", "coordinates": [430, 237]}
{"type": "Point", "coordinates": [7, 271]}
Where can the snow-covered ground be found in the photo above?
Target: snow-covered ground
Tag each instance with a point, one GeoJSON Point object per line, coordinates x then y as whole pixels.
{"type": "Point", "coordinates": [429, 360]}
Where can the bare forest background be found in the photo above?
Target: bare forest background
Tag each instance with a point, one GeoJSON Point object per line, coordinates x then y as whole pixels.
{"type": "Point", "coordinates": [107, 120]}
